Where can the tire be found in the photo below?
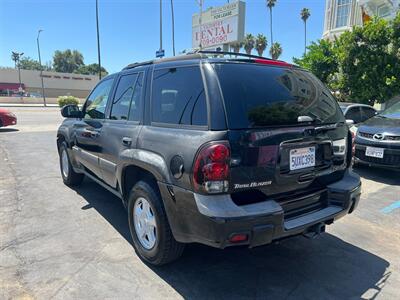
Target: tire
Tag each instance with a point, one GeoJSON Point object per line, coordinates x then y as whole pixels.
{"type": "Point", "coordinates": [1, 123]}
{"type": "Point", "coordinates": [69, 176]}
{"type": "Point", "coordinates": [165, 248]}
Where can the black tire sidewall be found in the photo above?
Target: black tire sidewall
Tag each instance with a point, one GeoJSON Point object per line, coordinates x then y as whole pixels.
{"type": "Point", "coordinates": [144, 190]}
{"type": "Point", "coordinates": [67, 180]}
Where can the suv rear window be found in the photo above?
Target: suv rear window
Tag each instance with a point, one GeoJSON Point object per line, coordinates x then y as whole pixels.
{"type": "Point", "coordinates": [258, 95]}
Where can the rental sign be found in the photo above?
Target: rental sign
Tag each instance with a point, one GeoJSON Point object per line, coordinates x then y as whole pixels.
{"type": "Point", "coordinates": [219, 25]}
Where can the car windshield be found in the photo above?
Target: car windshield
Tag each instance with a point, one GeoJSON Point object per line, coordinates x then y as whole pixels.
{"type": "Point", "coordinates": [392, 112]}
{"type": "Point", "coordinates": [343, 108]}
{"type": "Point", "coordinates": [257, 96]}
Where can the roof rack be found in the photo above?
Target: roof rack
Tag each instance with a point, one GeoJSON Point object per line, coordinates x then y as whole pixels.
{"type": "Point", "coordinates": [196, 54]}
{"type": "Point", "coordinates": [137, 64]}
{"type": "Point", "coordinates": [167, 59]}
{"type": "Point", "coordinates": [231, 53]}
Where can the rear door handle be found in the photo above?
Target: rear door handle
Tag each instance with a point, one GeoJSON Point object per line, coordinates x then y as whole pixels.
{"type": "Point", "coordinates": [126, 141]}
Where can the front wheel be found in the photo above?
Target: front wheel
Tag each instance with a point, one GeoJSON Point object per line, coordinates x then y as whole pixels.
{"type": "Point", "coordinates": [149, 227]}
{"type": "Point", "coordinates": [69, 176]}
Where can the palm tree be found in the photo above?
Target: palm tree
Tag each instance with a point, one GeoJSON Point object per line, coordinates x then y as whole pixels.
{"type": "Point", "coordinates": [249, 43]}
{"type": "Point", "coordinates": [275, 51]}
{"type": "Point", "coordinates": [236, 46]}
{"type": "Point", "coordinates": [305, 14]}
{"type": "Point", "coordinates": [261, 43]}
{"type": "Point", "coordinates": [270, 5]}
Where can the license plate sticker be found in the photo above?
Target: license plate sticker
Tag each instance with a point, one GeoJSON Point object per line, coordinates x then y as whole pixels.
{"type": "Point", "coordinates": [302, 158]}
{"type": "Point", "coordinates": [374, 152]}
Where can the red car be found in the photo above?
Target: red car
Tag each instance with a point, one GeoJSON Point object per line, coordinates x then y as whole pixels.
{"type": "Point", "coordinates": [7, 118]}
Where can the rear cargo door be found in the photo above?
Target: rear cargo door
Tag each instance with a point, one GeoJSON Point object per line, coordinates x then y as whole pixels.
{"type": "Point", "coordinates": [286, 131]}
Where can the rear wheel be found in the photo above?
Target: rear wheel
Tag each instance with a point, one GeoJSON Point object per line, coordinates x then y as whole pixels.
{"type": "Point", "coordinates": [149, 227]}
{"type": "Point", "coordinates": [69, 176]}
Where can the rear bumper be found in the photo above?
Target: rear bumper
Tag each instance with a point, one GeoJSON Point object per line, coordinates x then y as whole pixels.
{"type": "Point", "coordinates": [212, 220]}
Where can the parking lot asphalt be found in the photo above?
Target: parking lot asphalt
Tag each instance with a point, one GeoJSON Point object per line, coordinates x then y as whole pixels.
{"type": "Point", "coordinates": [63, 243]}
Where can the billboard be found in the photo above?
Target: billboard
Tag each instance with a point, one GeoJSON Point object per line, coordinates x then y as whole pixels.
{"type": "Point", "coordinates": [219, 25]}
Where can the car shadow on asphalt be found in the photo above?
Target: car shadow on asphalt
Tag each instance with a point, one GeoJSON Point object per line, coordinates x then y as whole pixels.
{"type": "Point", "coordinates": [385, 176]}
{"type": "Point", "coordinates": [297, 268]}
{"type": "Point", "coordinates": [8, 130]}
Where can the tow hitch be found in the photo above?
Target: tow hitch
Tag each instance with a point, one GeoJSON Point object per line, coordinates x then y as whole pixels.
{"type": "Point", "coordinates": [314, 231]}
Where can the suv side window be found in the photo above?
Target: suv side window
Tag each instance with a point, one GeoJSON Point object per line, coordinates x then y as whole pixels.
{"type": "Point", "coordinates": [122, 98]}
{"type": "Point", "coordinates": [96, 103]}
{"type": "Point", "coordinates": [178, 97]}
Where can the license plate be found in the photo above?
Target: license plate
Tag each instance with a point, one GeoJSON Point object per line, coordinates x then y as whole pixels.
{"type": "Point", "coordinates": [302, 158]}
{"type": "Point", "coordinates": [374, 152]}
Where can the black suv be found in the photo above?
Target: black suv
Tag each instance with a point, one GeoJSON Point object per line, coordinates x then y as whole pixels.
{"type": "Point", "coordinates": [214, 148]}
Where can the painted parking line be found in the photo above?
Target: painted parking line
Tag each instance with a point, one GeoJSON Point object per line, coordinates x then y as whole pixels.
{"type": "Point", "coordinates": [388, 209]}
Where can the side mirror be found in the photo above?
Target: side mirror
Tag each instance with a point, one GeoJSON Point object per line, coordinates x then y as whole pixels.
{"type": "Point", "coordinates": [349, 122]}
{"type": "Point", "coordinates": [71, 111]}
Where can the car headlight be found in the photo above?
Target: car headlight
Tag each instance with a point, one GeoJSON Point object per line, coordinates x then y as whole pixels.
{"type": "Point", "coordinates": [10, 114]}
{"type": "Point", "coordinates": [339, 146]}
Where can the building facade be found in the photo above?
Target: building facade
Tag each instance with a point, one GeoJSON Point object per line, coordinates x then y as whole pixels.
{"type": "Point", "coordinates": [55, 84]}
{"type": "Point", "coordinates": [342, 15]}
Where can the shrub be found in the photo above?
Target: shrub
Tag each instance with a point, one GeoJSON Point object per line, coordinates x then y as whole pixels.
{"type": "Point", "coordinates": [65, 100]}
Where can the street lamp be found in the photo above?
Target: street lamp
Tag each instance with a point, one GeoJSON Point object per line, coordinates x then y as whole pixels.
{"type": "Point", "coordinates": [16, 58]}
{"type": "Point", "coordinates": [98, 37]}
{"type": "Point", "coordinates": [41, 68]}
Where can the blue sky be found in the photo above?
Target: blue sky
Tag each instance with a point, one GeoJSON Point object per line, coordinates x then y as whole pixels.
{"type": "Point", "coordinates": [129, 29]}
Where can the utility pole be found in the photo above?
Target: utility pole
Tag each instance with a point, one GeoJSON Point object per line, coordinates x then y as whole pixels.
{"type": "Point", "coordinates": [41, 68]}
{"type": "Point", "coordinates": [173, 27]}
{"type": "Point", "coordinates": [98, 37]}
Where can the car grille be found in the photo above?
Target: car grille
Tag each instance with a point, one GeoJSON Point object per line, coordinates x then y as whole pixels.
{"type": "Point", "coordinates": [370, 136]}
{"type": "Point", "coordinates": [366, 135]}
{"type": "Point", "coordinates": [388, 159]}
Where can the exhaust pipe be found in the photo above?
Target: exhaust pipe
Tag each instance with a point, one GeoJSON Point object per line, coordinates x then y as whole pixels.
{"type": "Point", "coordinates": [314, 231]}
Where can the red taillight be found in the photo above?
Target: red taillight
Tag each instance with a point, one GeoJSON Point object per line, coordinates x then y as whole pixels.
{"type": "Point", "coordinates": [211, 168]}
{"type": "Point", "coordinates": [238, 238]}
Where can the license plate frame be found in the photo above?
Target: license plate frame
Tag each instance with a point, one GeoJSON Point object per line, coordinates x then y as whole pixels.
{"type": "Point", "coordinates": [302, 158]}
{"type": "Point", "coordinates": [374, 152]}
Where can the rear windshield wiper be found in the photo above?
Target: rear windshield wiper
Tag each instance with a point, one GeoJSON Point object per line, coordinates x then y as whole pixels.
{"type": "Point", "coordinates": [324, 127]}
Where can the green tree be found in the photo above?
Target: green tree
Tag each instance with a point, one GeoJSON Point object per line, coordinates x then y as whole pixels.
{"type": "Point", "coordinates": [369, 66]}
{"type": "Point", "coordinates": [362, 64]}
{"type": "Point", "coordinates": [28, 63]}
{"type": "Point", "coordinates": [275, 51]}
{"type": "Point", "coordinates": [92, 69]}
{"type": "Point", "coordinates": [67, 61]}
{"type": "Point", "coordinates": [249, 43]}
{"type": "Point", "coordinates": [270, 5]}
{"type": "Point", "coordinates": [305, 14]}
{"type": "Point", "coordinates": [261, 44]}
{"type": "Point", "coordinates": [321, 59]}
